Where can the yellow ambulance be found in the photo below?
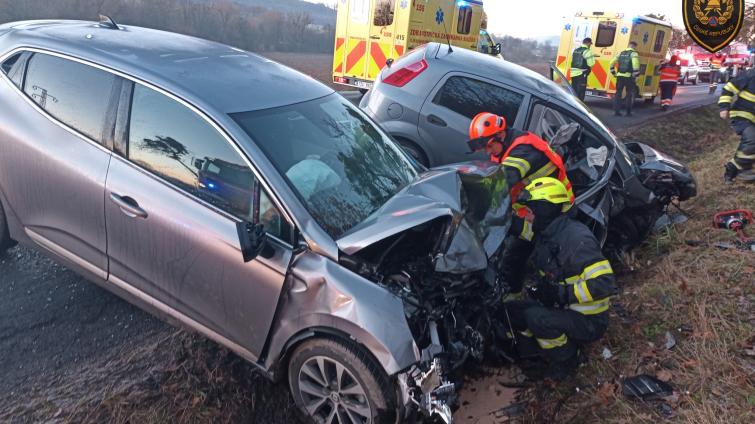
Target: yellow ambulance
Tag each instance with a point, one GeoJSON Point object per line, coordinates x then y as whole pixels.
{"type": "Point", "coordinates": [370, 32]}
{"type": "Point", "coordinates": [611, 34]}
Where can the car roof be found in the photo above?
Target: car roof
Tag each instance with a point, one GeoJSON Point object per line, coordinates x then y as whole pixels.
{"type": "Point", "coordinates": [225, 78]}
{"type": "Point", "coordinates": [498, 70]}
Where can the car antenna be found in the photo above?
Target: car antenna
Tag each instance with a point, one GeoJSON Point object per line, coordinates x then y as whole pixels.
{"type": "Point", "coordinates": [108, 22]}
{"type": "Point", "coordinates": [448, 37]}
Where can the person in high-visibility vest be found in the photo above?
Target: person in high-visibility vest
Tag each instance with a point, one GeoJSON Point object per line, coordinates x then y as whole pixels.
{"type": "Point", "coordinates": [524, 157]}
{"type": "Point", "coordinates": [569, 305]}
{"type": "Point", "coordinates": [716, 63]}
{"type": "Point", "coordinates": [628, 64]}
{"type": "Point", "coordinates": [582, 61]}
{"type": "Point", "coordinates": [741, 112]}
{"type": "Point", "coordinates": [670, 72]}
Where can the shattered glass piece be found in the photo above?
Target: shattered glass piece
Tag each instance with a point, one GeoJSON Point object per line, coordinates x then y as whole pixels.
{"type": "Point", "coordinates": [667, 220]}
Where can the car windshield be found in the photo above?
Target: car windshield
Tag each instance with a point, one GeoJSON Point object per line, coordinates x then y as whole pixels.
{"type": "Point", "coordinates": [337, 162]}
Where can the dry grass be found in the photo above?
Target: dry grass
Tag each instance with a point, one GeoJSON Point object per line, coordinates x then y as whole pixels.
{"type": "Point", "coordinates": [702, 296]}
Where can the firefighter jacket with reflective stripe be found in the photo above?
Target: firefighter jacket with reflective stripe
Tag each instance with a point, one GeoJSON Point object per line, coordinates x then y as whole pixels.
{"type": "Point", "coordinates": [670, 72]}
{"type": "Point", "coordinates": [528, 158]}
{"type": "Point", "coordinates": [743, 88]}
{"type": "Point", "coordinates": [568, 253]}
{"type": "Point", "coordinates": [628, 61]}
{"type": "Point", "coordinates": [582, 61]}
{"type": "Point", "coordinates": [716, 62]}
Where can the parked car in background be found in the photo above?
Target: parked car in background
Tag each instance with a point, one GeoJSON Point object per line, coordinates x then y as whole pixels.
{"type": "Point", "coordinates": [426, 101]}
{"type": "Point", "coordinates": [253, 205]}
{"type": "Point", "coordinates": [689, 71]}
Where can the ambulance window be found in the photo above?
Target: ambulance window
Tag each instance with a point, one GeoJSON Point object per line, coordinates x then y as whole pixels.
{"type": "Point", "coordinates": [468, 97]}
{"type": "Point", "coordinates": [606, 34]}
{"type": "Point", "coordinates": [464, 24]}
{"type": "Point", "coordinates": [384, 12]}
{"type": "Point", "coordinates": [360, 11]}
{"type": "Point", "coordinates": [659, 37]}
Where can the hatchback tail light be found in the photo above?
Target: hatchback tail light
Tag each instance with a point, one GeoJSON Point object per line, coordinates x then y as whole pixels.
{"type": "Point", "coordinates": [404, 75]}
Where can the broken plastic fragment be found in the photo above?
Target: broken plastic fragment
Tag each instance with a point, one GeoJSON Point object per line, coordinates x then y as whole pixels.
{"type": "Point", "coordinates": [607, 353]}
{"type": "Point", "coordinates": [646, 387]}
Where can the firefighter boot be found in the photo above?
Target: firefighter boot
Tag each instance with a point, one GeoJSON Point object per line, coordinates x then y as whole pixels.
{"type": "Point", "coordinates": [730, 173]}
{"type": "Point", "coordinates": [557, 371]}
{"type": "Point", "coordinates": [747, 176]}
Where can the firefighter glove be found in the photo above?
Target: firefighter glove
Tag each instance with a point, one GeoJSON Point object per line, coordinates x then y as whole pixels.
{"type": "Point", "coordinates": [549, 294]}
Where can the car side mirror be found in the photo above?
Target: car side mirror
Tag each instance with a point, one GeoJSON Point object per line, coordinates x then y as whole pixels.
{"type": "Point", "coordinates": [253, 240]}
{"type": "Point", "coordinates": [389, 62]}
{"type": "Point", "coordinates": [497, 49]}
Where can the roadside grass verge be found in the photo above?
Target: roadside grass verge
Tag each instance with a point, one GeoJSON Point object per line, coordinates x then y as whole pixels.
{"type": "Point", "coordinates": [701, 297]}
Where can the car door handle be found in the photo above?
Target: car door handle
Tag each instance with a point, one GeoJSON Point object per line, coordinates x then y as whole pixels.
{"type": "Point", "coordinates": [436, 121]}
{"type": "Point", "coordinates": [128, 206]}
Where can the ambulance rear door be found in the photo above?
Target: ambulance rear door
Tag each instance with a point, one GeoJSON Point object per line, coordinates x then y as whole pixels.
{"type": "Point", "coordinates": [382, 35]}
{"type": "Point", "coordinates": [357, 35]}
{"type": "Point", "coordinates": [609, 39]}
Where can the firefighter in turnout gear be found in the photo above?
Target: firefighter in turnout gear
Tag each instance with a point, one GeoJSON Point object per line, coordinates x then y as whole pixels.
{"type": "Point", "coordinates": [583, 59]}
{"type": "Point", "coordinates": [570, 301]}
{"type": "Point", "coordinates": [670, 72]}
{"type": "Point", "coordinates": [716, 64]}
{"type": "Point", "coordinates": [525, 157]}
{"type": "Point", "coordinates": [742, 114]}
{"type": "Point", "coordinates": [628, 64]}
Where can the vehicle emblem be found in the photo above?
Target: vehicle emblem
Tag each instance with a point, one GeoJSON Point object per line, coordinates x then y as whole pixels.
{"type": "Point", "coordinates": [439, 16]}
{"type": "Point", "coordinates": [567, 27]}
{"type": "Point", "coordinates": [713, 24]}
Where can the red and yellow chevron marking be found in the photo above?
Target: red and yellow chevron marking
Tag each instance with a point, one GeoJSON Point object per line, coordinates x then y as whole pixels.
{"type": "Point", "coordinates": [600, 78]}
{"type": "Point", "coordinates": [355, 58]}
{"type": "Point", "coordinates": [338, 56]}
{"type": "Point", "coordinates": [379, 55]}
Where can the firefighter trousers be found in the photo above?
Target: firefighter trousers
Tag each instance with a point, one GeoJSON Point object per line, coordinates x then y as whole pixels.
{"type": "Point", "coordinates": [668, 90]}
{"type": "Point", "coordinates": [558, 332]}
{"type": "Point", "coordinates": [579, 84]}
{"type": "Point", "coordinates": [622, 84]}
{"type": "Point", "coordinates": [744, 158]}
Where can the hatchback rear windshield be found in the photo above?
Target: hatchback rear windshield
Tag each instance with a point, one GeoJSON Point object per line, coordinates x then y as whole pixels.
{"type": "Point", "coordinates": [337, 162]}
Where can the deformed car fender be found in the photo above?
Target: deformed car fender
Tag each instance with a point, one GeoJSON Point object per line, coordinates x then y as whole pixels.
{"type": "Point", "coordinates": [322, 294]}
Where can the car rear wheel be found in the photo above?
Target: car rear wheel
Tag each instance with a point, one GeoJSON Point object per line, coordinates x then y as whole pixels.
{"type": "Point", "coordinates": [333, 382]}
{"type": "Point", "coordinates": [5, 241]}
{"type": "Point", "coordinates": [414, 151]}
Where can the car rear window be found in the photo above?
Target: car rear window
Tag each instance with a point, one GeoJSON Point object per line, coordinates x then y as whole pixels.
{"type": "Point", "coordinates": [384, 12]}
{"type": "Point", "coordinates": [464, 23]}
{"type": "Point", "coordinates": [468, 97]}
{"type": "Point", "coordinates": [74, 93]}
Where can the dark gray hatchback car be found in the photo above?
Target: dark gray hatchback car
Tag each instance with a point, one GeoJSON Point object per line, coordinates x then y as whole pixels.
{"type": "Point", "coordinates": [254, 205]}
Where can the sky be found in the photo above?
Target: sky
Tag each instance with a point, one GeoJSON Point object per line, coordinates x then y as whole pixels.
{"type": "Point", "coordinates": [539, 18]}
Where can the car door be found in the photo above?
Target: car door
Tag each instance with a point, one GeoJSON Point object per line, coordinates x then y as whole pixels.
{"type": "Point", "coordinates": [55, 134]}
{"type": "Point", "coordinates": [446, 114]}
{"type": "Point", "coordinates": [174, 197]}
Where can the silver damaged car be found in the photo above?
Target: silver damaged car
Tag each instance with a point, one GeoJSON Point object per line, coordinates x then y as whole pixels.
{"type": "Point", "coordinates": [254, 205]}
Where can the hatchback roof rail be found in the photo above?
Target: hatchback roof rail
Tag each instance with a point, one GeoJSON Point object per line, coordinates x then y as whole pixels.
{"type": "Point", "coordinates": [108, 22]}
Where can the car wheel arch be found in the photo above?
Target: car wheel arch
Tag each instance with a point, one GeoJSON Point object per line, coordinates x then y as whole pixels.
{"type": "Point", "coordinates": [423, 158]}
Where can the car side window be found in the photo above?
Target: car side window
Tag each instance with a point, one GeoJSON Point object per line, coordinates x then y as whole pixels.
{"type": "Point", "coordinates": [464, 22]}
{"type": "Point", "coordinates": [76, 94]}
{"type": "Point", "coordinates": [175, 143]}
{"type": "Point", "coordinates": [468, 97]}
{"type": "Point", "coordinates": [9, 62]}
{"type": "Point", "coordinates": [13, 67]}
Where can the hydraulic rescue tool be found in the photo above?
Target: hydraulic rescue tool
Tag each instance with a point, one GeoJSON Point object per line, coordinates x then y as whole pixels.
{"type": "Point", "coordinates": [736, 221]}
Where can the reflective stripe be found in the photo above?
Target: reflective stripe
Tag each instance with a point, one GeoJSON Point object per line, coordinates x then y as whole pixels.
{"type": "Point", "coordinates": [592, 271]}
{"type": "Point", "coordinates": [747, 96]}
{"type": "Point", "coordinates": [733, 162]}
{"type": "Point", "coordinates": [527, 233]}
{"type": "Point", "coordinates": [742, 114]}
{"type": "Point", "coordinates": [725, 99]}
{"type": "Point", "coordinates": [731, 87]}
{"type": "Point", "coordinates": [522, 165]}
{"type": "Point", "coordinates": [582, 292]}
{"type": "Point", "coordinates": [742, 155]}
{"type": "Point", "coordinates": [591, 308]}
{"type": "Point", "coordinates": [527, 333]}
{"type": "Point", "coordinates": [553, 343]}
{"type": "Point", "coordinates": [546, 170]}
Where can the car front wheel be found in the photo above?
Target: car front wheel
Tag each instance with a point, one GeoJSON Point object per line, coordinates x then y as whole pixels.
{"type": "Point", "coordinates": [333, 382]}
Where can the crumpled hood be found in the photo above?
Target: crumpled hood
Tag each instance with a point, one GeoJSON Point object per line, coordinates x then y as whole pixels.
{"type": "Point", "coordinates": [473, 195]}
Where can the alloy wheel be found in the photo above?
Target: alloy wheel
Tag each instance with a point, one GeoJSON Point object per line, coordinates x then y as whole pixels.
{"type": "Point", "coordinates": [331, 393]}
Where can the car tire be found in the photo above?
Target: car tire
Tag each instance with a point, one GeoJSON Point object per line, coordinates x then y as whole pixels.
{"type": "Point", "coordinates": [414, 151]}
{"type": "Point", "coordinates": [363, 392]}
{"type": "Point", "coordinates": [5, 241]}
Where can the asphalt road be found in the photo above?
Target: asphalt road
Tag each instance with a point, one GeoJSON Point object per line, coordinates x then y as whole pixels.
{"type": "Point", "coordinates": [52, 322]}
